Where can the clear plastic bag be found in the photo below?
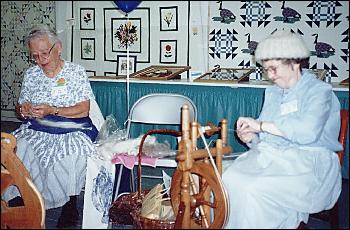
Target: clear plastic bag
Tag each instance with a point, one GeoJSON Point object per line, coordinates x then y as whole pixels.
{"type": "Point", "coordinates": [110, 131]}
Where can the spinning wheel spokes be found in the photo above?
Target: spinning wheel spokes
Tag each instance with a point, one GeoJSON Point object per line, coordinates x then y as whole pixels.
{"type": "Point", "coordinates": [205, 212]}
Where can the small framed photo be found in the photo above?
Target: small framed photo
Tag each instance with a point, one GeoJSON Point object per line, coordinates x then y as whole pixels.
{"type": "Point", "coordinates": [87, 18]}
{"type": "Point", "coordinates": [168, 51]}
{"type": "Point", "coordinates": [123, 63]}
{"type": "Point", "coordinates": [90, 73]}
{"type": "Point", "coordinates": [87, 51]}
{"type": "Point", "coordinates": [168, 18]}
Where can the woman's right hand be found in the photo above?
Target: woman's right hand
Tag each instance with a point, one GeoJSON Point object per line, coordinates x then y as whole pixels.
{"type": "Point", "coordinates": [246, 137]}
{"type": "Point", "coordinates": [25, 110]}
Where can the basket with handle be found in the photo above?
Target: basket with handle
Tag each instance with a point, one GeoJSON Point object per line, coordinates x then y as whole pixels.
{"type": "Point", "coordinates": [127, 207]}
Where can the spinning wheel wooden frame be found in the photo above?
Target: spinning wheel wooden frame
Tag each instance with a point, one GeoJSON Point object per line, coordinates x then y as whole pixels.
{"type": "Point", "coordinates": [202, 204]}
{"type": "Point", "coordinates": [32, 214]}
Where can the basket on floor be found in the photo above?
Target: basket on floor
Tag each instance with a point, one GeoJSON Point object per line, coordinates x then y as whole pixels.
{"type": "Point", "coordinates": [127, 208]}
{"type": "Point", "coordinates": [141, 222]}
{"type": "Point", "coordinates": [119, 212]}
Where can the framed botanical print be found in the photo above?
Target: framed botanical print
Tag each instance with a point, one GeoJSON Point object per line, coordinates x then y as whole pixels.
{"type": "Point", "coordinates": [168, 18]}
{"type": "Point", "coordinates": [122, 66]}
{"type": "Point", "coordinates": [87, 18]}
{"type": "Point", "coordinates": [168, 51]}
{"type": "Point", "coordinates": [87, 48]}
{"type": "Point", "coordinates": [131, 34]}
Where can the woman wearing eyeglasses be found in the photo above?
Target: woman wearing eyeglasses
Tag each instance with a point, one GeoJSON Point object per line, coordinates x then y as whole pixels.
{"type": "Point", "coordinates": [57, 134]}
{"type": "Point", "coordinates": [291, 168]}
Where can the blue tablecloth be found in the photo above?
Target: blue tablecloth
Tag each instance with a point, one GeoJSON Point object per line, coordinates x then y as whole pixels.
{"type": "Point", "coordinates": [213, 103]}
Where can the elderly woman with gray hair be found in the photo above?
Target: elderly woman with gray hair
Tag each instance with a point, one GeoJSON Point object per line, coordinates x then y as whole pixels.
{"type": "Point", "coordinates": [56, 135]}
{"type": "Point", "coordinates": [291, 168]}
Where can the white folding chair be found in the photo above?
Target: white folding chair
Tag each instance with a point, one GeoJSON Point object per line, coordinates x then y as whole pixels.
{"type": "Point", "coordinates": [159, 109]}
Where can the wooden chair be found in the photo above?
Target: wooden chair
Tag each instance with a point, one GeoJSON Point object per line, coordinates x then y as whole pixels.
{"type": "Point", "coordinates": [332, 215]}
{"type": "Point", "coordinates": [13, 172]}
{"type": "Point", "coordinates": [197, 194]}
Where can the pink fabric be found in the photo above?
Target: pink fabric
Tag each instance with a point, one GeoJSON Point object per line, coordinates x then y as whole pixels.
{"type": "Point", "coordinates": [129, 161]}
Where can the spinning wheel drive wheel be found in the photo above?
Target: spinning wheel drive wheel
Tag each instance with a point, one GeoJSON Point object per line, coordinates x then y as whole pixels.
{"type": "Point", "coordinates": [213, 209]}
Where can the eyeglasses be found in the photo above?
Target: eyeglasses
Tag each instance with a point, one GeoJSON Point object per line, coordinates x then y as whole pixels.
{"type": "Point", "coordinates": [45, 55]}
{"type": "Point", "coordinates": [272, 69]}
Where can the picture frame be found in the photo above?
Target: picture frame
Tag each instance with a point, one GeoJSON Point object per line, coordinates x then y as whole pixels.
{"type": "Point", "coordinates": [87, 18]}
{"type": "Point", "coordinates": [108, 75]}
{"type": "Point", "coordinates": [160, 72]}
{"type": "Point", "coordinates": [90, 73]}
{"type": "Point", "coordinates": [168, 18]}
{"type": "Point", "coordinates": [226, 75]}
{"type": "Point", "coordinates": [122, 64]}
{"type": "Point", "coordinates": [113, 18]}
{"type": "Point", "coordinates": [87, 48]}
{"type": "Point", "coordinates": [168, 51]}
{"type": "Point", "coordinates": [119, 28]}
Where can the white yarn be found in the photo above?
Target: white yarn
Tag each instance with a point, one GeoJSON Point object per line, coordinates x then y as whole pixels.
{"type": "Point", "coordinates": [61, 124]}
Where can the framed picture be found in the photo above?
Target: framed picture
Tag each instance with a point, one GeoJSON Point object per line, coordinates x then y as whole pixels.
{"type": "Point", "coordinates": [130, 34]}
{"type": "Point", "coordinates": [160, 72]}
{"type": "Point", "coordinates": [123, 63]}
{"type": "Point", "coordinates": [110, 74]}
{"type": "Point", "coordinates": [168, 18]}
{"type": "Point", "coordinates": [87, 51]}
{"type": "Point", "coordinates": [90, 73]}
{"type": "Point", "coordinates": [168, 51]}
{"type": "Point", "coordinates": [226, 75]}
{"type": "Point", "coordinates": [87, 18]}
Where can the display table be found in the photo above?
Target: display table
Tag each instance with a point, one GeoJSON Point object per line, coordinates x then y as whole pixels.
{"type": "Point", "coordinates": [214, 102]}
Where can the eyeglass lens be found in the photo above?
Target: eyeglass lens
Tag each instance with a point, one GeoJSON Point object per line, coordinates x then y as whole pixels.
{"type": "Point", "coordinates": [44, 55]}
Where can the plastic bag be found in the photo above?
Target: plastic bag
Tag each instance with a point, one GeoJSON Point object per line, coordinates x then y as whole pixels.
{"type": "Point", "coordinates": [110, 131]}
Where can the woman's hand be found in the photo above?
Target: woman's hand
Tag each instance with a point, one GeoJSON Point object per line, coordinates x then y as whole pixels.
{"type": "Point", "coordinates": [248, 124]}
{"type": "Point", "coordinates": [40, 111]}
{"type": "Point", "coordinates": [24, 110]}
{"type": "Point", "coordinates": [247, 128]}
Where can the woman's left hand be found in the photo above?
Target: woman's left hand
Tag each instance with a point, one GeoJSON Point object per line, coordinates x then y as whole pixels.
{"type": "Point", "coordinates": [247, 124]}
{"type": "Point", "coordinates": [42, 110]}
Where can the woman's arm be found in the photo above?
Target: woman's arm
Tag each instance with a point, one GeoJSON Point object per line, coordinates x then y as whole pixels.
{"type": "Point", "coordinates": [81, 109]}
{"type": "Point", "coordinates": [247, 128]}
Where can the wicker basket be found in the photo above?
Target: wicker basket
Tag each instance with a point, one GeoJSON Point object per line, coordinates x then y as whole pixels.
{"type": "Point", "coordinates": [127, 208]}
{"type": "Point", "coordinates": [119, 212]}
{"type": "Point", "coordinates": [141, 222]}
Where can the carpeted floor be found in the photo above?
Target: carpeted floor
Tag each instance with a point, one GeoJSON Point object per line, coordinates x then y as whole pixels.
{"type": "Point", "coordinates": [53, 214]}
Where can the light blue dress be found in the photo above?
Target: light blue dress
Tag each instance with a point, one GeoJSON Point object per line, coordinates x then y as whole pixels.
{"type": "Point", "coordinates": [56, 162]}
{"type": "Point", "coordinates": [281, 179]}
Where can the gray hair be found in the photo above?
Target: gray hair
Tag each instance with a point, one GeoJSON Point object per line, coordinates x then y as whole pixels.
{"type": "Point", "coordinates": [41, 31]}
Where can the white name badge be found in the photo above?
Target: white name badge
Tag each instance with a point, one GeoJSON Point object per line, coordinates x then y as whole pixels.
{"type": "Point", "coordinates": [59, 91]}
{"type": "Point", "coordinates": [289, 107]}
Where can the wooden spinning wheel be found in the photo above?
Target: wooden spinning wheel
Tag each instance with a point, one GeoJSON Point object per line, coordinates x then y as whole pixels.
{"type": "Point", "coordinates": [197, 193]}
{"type": "Point", "coordinates": [32, 214]}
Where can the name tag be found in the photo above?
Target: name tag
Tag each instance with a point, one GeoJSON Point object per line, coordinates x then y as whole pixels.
{"type": "Point", "coordinates": [59, 91]}
{"type": "Point", "coordinates": [289, 107]}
